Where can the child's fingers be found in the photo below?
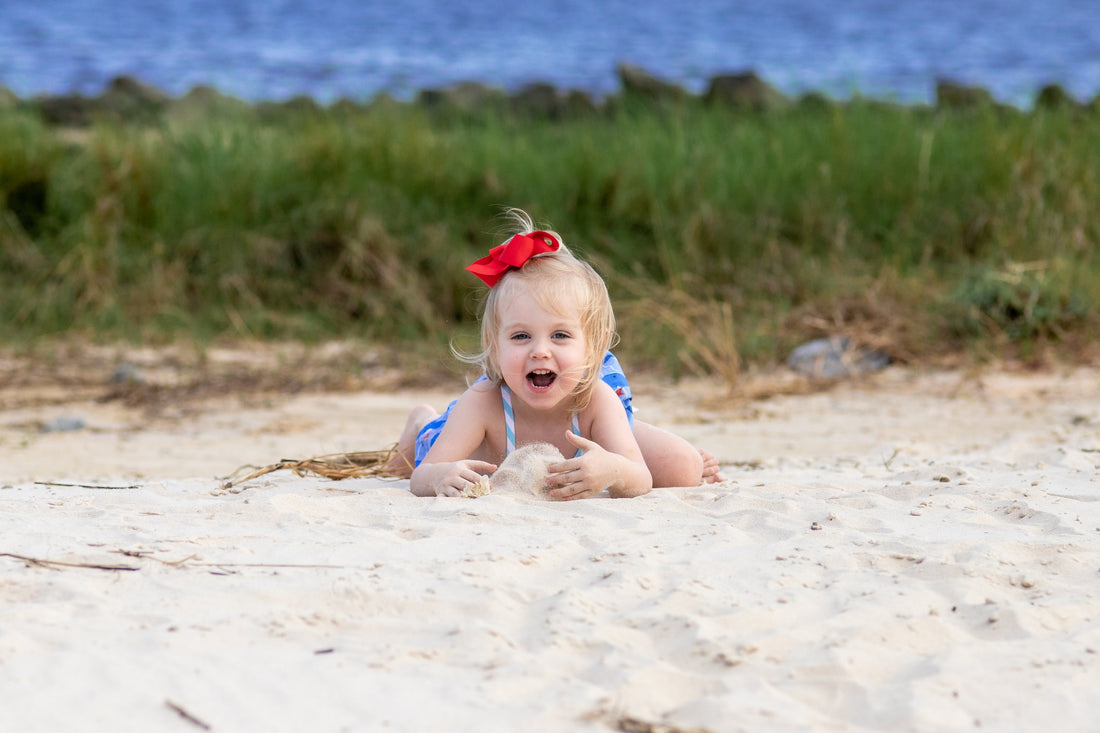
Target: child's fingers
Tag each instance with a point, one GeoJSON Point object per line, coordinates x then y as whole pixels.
{"type": "Point", "coordinates": [570, 492]}
{"type": "Point", "coordinates": [564, 466]}
{"type": "Point", "coordinates": [481, 467]}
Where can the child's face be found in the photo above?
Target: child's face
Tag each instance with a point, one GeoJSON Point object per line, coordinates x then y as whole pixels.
{"type": "Point", "coordinates": [542, 353]}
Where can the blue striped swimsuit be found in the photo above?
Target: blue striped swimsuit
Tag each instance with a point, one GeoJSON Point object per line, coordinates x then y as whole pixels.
{"type": "Point", "coordinates": [510, 422]}
{"type": "Point", "coordinates": [611, 373]}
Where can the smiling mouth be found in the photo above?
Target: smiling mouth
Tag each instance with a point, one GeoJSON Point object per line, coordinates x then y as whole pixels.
{"type": "Point", "coordinates": [541, 378]}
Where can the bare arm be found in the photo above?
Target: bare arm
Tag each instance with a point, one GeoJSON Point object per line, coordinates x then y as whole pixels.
{"type": "Point", "coordinates": [611, 459]}
{"type": "Point", "coordinates": [453, 462]}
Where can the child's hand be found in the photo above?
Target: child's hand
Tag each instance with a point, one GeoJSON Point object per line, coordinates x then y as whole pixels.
{"type": "Point", "coordinates": [586, 475]}
{"type": "Point", "coordinates": [453, 478]}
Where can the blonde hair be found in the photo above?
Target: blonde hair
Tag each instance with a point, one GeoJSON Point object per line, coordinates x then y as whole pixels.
{"type": "Point", "coordinates": [558, 281]}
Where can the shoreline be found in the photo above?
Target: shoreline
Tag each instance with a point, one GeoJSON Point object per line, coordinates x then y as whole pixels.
{"type": "Point", "coordinates": [128, 97]}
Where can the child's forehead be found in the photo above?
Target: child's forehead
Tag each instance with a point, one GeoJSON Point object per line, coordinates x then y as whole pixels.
{"type": "Point", "coordinates": [525, 304]}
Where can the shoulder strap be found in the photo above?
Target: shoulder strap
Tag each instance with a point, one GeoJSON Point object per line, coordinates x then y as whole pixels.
{"type": "Point", "coordinates": [509, 419]}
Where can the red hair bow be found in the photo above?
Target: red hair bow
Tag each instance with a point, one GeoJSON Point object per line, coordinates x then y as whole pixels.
{"type": "Point", "coordinates": [513, 253]}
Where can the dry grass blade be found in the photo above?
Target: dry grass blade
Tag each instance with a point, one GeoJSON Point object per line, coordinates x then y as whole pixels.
{"type": "Point", "coordinates": [55, 564]}
{"type": "Point", "coordinates": [335, 466]}
{"type": "Point", "coordinates": [705, 326]}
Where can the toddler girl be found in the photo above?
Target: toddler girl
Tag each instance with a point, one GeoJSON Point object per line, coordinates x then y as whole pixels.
{"type": "Point", "coordinates": [546, 331]}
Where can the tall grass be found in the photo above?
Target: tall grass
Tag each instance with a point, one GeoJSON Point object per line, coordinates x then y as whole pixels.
{"type": "Point", "coordinates": [923, 231]}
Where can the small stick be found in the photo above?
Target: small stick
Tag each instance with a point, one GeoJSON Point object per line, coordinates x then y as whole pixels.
{"type": "Point", "coordinates": [290, 566]}
{"type": "Point", "coordinates": [179, 710]}
{"type": "Point", "coordinates": [84, 486]}
{"type": "Point", "coordinates": [61, 564]}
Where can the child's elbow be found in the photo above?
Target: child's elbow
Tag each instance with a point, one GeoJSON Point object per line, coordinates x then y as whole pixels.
{"type": "Point", "coordinates": [640, 486]}
{"type": "Point", "coordinates": [684, 468]}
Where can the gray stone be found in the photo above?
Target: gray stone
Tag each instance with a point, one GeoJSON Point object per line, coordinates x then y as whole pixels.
{"type": "Point", "coordinates": [64, 424]}
{"type": "Point", "coordinates": [835, 358]}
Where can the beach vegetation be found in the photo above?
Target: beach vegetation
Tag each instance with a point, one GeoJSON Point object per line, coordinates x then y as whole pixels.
{"type": "Point", "coordinates": [727, 236]}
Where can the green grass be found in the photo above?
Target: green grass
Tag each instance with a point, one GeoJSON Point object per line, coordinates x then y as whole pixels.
{"type": "Point", "coordinates": [926, 232]}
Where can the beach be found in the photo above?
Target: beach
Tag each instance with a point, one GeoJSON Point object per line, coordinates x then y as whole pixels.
{"type": "Point", "coordinates": [913, 550]}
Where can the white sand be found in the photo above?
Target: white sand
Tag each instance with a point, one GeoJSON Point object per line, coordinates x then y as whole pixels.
{"type": "Point", "coordinates": [920, 552]}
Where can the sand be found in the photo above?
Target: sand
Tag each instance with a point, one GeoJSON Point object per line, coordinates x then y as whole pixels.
{"type": "Point", "coordinates": [915, 551]}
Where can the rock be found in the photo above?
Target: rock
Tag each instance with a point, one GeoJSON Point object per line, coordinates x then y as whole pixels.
{"type": "Point", "coordinates": [127, 374]}
{"type": "Point", "coordinates": [745, 91]}
{"type": "Point", "coordinates": [639, 83]}
{"type": "Point", "coordinates": [835, 358]}
{"type": "Point", "coordinates": [64, 424]}
{"type": "Point", "coordinates": [126, 98]}
{"type": "Point", "coordinates": [1054, 96]}
{"type": "Point", "coordinates": [545, 101]}
{"type": "Point", "coordinates": [467, 96]}
{"type": "Point", "coordinates": [66, 110]}
{"type": "Point", "coordinates": [952, 95]}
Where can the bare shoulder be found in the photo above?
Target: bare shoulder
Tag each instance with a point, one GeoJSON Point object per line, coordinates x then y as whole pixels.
{"type": "Point", "coordinates": [470, 431]}
{"type": "Point", "coordinates": [481, 397]}
{"type": "Point", "coordinates": [604, 397]}
{"type": "Point", "coordinates": [479, 410]}
{"type": "Point", "coordinates": [605, 407]}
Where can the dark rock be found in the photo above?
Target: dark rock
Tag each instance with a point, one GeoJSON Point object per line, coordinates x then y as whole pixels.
{"type": "Point", "coordinates": [539, 100]}
{"type": "Point", "coordinates": [816, 102]}
{"type": "Point", "coordinates": [66, 110]}
{"type": "Point", "coordinates": [639, 83]}
{"type": "Point", "coordinates": [745, 91]}
{"type": "Point", "coordinates": [129, 88]}
{"type": "Point", "coordinates": [545, 101]}
{"type": "Point", "coordinates": [834, 358]}
{"type": "Point", "coordinates": [953, 95]}
{"type": "Point", "coordinates": [1054, 96]}
{"type": "Point", "coordinates": [467, 96]}
{"type": "Point", "coordinates": [126, 98]}
{"type": "Point", "coordinates": [579, 103]}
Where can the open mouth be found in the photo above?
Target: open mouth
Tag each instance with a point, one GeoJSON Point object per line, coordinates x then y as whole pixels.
{"type": "Point", "coordinates": [541, 378]}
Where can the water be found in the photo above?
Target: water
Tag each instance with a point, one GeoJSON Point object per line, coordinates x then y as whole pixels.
{"type": "Point", "coordinates": [328, 49]}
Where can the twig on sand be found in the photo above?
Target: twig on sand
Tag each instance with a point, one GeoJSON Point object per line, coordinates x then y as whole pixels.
{"type": "Point", "coordinates": [61, 564]}
{"type": "Point", "coordinates": [180, 711]}
{"type": "Point", "coordinates": [334, 466]}
{"type": "Point", "coordinates": [85, 486]}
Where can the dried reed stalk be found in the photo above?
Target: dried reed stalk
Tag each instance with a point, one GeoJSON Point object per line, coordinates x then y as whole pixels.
{"type": "Point", "coordinates": [335, 466]}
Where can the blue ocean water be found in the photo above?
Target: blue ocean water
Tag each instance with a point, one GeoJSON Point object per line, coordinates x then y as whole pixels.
{"type": "Point", "coordinates": [274, 49]}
